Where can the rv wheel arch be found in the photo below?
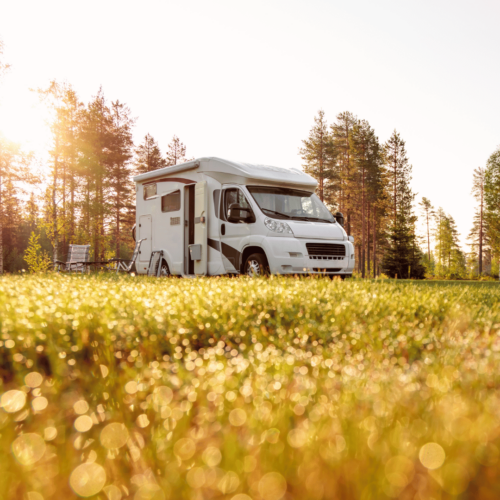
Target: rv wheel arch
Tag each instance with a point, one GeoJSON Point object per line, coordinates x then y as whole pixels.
{"type": "Point", "coordinates": [249, 251]}
{"type": "Point", "coordinates": [165, 268]}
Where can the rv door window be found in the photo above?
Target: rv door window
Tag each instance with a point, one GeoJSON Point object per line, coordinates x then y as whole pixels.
{"type": "Point", "coordinates": [171, 202]}
{"type": "Point", "coordinates": [149, 191]}
{"type": "Point", "coordinates": [234, 195]}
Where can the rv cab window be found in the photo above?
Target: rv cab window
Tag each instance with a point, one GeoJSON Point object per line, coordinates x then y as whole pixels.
{"type": "Point", "coordinates": [234, 195]}
{"type": "Point", "coordinates": [171, 202]}
{"type": "Point", "coordinates": [149, 191]}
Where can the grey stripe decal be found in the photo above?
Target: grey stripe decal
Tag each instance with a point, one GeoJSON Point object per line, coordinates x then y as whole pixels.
{"type": "Point", "coordinates": [228, 251]}
{"type": "Point", "coordinates": [214, 244]}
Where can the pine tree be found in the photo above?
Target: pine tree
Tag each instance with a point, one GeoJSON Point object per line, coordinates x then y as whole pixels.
{"type": "Point", "coordinates": [14, 172]}
{"type": "Point", "coordinates": [66, 109]}
{"type": "Point", "coordinates": [402, 256]}
{"type": "Point", "coordinates": [427, 211]}
{"type": "Point", "coordinates": [451, 261]}
{"type": "Point", "coordinates": [119, 171]}
{"type": "Point", "coordinates": [317, 155]}
{"type": "Point", "coordinates": [96, 152]}
{"type": "Point", "coordinates": [341, 132]}
{"type": "Point", "coordinates": [148, 156]}
{"type": "Point", "coordinates": [492, 204]}
{"type": "Point", "coordinates": [478, 193]}
{"type": "Point", "coordinates": [176, 152]}
{"type": "Point", "coordinates": [366, 156]}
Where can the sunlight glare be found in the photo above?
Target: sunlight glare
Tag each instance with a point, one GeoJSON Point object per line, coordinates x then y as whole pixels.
{"type": "Point", "coordinates": [23, 119]}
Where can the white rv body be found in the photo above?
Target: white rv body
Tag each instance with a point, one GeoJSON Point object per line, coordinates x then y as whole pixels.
{"type": "Point", "coordinates": [186, 206]}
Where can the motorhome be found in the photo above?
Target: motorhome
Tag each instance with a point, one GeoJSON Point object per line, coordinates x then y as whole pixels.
{"type": "Point", "coordinates": [212, 217]}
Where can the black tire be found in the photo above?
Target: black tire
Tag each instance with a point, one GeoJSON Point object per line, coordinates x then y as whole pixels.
{"type": "Point", "coordinates": [345, 276]}
{"type": "Point", "coordinates": [256, 265]}
{"type": "Point", "coordinates": [164, 270]}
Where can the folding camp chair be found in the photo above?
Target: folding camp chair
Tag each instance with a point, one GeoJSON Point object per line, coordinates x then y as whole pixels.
{"type": "Point", "coordinates": [76, 260]}
{"type": "Point", "coordinates": [126, 265]}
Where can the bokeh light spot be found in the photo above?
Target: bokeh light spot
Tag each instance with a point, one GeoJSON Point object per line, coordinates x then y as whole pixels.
{"type": "Point", "coordinates": [28, 448]}
{"type": "Point", "coordinates": [163, 396]}
{"type": "Point", "coordinates": [12, 401]}
{"type": "Point", "coordinates": [184, 448]}
{"type": "Point", "coordinates": [83, 423]}
{"type": "Point", "coordinates": [33, 379]}
{"type": "Point", "coordinates": [237, 417]}
{"type": "Point", "coordinates": [432, 456]}
{"type": "Point", "coordinates": [88, 479]}
{"type": "Point", "coordinates": [81, 407]}
{"type": "Point", "coordinates": [49, 433]}
{"type": "Point", "coordinates": [272, 486]}
{"type": "Point", "coordinates": [40, 403]}
{"type": "Point", "coordinates": [195, 477]}
{"type": "Point", "coordinates": [212, 456]}
{"type": "Point", "coordinates": [114, 435]}
{"type": "Point", "coordinates": [112, 492]}
{"type": "Point", "coordinates": [131, 387]}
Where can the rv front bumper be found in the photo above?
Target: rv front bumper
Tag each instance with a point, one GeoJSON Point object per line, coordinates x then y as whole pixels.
{"type": "Point", "coordinates": [290, 256]}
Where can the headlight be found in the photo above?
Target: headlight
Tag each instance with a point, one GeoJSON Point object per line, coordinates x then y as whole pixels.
{"type": "Point", "coordinates": [277, 227]}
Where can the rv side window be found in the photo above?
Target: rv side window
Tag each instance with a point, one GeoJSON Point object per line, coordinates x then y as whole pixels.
{"type": "Point", "coordinates": [216, 201]}
{"type": "Point", "coordinates": [149, 191]}
{"type": "Point", "coordinates": [234, 195]}
{"type": "Point", "coordinates": [171, 202]}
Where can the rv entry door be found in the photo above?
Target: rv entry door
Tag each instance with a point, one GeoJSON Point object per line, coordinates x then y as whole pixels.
{"type": "Point", "coordinates": [145, 232]}
{"type": "Point", "coordinates": [199, 251]}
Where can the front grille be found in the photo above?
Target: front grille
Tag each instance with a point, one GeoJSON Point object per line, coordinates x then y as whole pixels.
{"type": "Point", "coordinates": [325, 250]}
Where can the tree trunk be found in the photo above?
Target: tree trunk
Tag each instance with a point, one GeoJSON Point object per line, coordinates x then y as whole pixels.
{"type": "Point", "coordinates": [1, 227]}
{"type": "Point", "coordinates": [428, 238]}
{"type": "Point", "coordinates": [363, 224]}
{"type": "Point", "coordinates": [72, 215]}
{"type": "Point", "coordinates": [118, 235]}
{"type": "Point", "coordinates": [54, 199]}
{"type": "Point", "coordinates": [368, 242]}
{"type": "Point", "coordinates": [64, 248]}
{"type": "Point", "coordinates": [375, 271]}
{"type": "Point", "coordinates": [481, 232]}
{"type": "Point", "coordinates": [348, 160]}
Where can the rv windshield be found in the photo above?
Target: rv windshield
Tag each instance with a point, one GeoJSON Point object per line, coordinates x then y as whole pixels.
{"type": "Point", "coordinates": [285, 203]}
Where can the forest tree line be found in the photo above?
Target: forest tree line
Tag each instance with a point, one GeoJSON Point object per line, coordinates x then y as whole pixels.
{"type": "Point", "coordinates": [86, 194]}
{"type": "Point", "coordinates": [369, 182]}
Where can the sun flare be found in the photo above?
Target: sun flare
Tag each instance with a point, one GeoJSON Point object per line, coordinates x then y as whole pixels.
{"type": "Point", "coordinates": [23, 119]}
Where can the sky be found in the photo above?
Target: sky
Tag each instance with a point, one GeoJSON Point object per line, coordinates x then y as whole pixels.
{"type": "Point", "coordinates": [243, 80]}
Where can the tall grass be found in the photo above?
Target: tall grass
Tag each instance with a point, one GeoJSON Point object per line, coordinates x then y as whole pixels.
{"type": "Point", "coordinates": [248, 389]}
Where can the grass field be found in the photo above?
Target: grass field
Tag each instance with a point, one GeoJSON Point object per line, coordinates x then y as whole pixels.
{"type": "Point", "coordinates": [245, 389]}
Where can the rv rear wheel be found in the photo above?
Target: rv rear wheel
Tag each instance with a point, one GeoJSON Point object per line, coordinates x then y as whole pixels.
{"type": "Point", "coordinates": [256, 265]}
{"type": "Point", "coordinates": [164, 270]}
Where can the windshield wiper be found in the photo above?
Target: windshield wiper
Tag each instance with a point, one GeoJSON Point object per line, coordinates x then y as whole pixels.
{"type": "Point", "coordinates": [313, 219]}
{"type": "Point", "coordinates": [277, 213]}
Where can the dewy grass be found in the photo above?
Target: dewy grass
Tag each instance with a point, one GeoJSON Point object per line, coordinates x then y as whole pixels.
{"type": "Point", "coordinates": [243, 389]}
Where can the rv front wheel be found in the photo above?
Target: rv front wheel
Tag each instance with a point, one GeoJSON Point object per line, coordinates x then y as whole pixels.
{"type": "Point", "coordinates": [164, 270]}
{"type": "Point", "coordinates": [256, 265]}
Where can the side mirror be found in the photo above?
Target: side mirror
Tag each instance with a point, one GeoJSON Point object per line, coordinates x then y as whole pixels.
{"type": "Point", "coordinates": [340, 218]}
{"type": "Point", "coordinates": [237, 213]}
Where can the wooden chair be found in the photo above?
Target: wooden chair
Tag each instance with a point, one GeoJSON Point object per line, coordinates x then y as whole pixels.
{"type": "Point", "coordinates": [76, 260]}
{"type": "Point", "coordinates": [124, 265]}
